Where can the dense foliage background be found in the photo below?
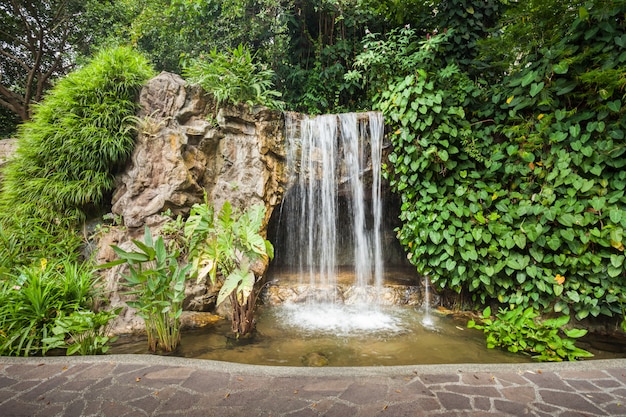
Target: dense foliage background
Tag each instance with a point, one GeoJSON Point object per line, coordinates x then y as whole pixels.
{"type": "Point", "coordinates": [506, 117]}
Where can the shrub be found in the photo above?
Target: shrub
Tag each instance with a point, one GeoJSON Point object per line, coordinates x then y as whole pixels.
{"type": "Point", "coordinates": [78, 138]}
{"type": "Point", "coordinates": [514, 191]}
{"type": "Point", "coordinates": [229, 243]}
{"type": "Point", "coordinates": [234, 77]}
{"type": "Point", "coordinates": [518, 330]}
{"type": "Point", "coordinates": [32, 301]}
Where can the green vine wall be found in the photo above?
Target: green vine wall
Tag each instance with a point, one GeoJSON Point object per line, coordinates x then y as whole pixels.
{"type": "Point", "coordinates": [512, 189]}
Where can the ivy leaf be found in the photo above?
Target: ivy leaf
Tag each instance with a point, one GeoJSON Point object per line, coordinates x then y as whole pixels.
{"type": "Point", "coordinates": [615, 215]}
{"type": "Point", "coordinates": [567, 219]}
{"type": "Point", "coordinates": [574, 130]}
{"type": "Point", "coordinates": [614, 106]}
{"type": "Point", "coordinates": [520, 240]}
{"type": "Point", "coordinates": [575, 333]}
{"type": "Point", "coordinates": [574, 296]}
{"type": "Point", "coordinates": [617, 260]}
{"type": "Point", "coordinates": [435, 237]}
{"type": "Point", "coordinates": [517, 261]}
{"type": "Point", "coordinates": [536, 88]}
{"type": "Point", "coordinates": [560, 68]}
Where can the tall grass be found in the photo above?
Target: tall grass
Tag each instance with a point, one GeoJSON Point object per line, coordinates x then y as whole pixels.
{"type": "Point", "coordinates": [65, 164]}
{"type": "Point", "coordinates": [35, 297]}
{"type": "Point", "coordinates": [78, 139]}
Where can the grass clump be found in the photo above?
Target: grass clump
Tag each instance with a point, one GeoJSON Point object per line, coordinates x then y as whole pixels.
{"type": "Point", "coordinates": [63, 170]}
{"type": "Point", "coordinates": [77, 140]}
{"type": "Point", "coordinates": [38, 298]}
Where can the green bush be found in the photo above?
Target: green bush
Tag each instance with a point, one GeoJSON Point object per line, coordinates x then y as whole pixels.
{"type": "Point", "coordinates": [78, 139]}
{"type": "Point", "coordinates": [518, 330]}
{"type": "Point", "coordinates": [32, 301]}
{"type": "Point", "coordinates": [515, 190]}
{"type": "Point", "coordinates": [229, 243]}
{"type": "Point", "coordinates": [83, 332]}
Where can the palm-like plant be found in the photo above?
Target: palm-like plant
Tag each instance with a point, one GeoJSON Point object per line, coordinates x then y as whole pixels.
{"type": "Point", "coordinates": [229, 243]}
{"type": "Point", "coordinates": [158, 283]}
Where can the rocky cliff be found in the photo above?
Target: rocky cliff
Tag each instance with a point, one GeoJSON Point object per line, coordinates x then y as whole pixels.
{"type": "Point", "coordinates": [186, 147]}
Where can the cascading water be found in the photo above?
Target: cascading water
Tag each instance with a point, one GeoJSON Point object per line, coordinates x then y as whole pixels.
{"type": "Point", "coordinates": [333, 212]}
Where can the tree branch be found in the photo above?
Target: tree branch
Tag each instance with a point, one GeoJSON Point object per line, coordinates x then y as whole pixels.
{"type": "Point", "coordinates": [16, 59]}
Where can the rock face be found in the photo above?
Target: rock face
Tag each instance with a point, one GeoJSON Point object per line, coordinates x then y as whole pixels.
{"type": "Point", "coordinates": [180, 154]}
{"type": "Point", "coordinates": [186, 147]}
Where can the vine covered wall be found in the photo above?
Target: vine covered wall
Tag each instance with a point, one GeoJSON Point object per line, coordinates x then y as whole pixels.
{"type": "Point", "coordinates": [513, 188]}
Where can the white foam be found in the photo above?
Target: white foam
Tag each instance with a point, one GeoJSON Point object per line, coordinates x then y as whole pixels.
{"type": "Point", "coordinates": [339, 319]}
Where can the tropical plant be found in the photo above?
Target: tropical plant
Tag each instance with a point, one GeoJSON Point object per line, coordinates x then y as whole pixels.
{"type": "Point", "coordinates": [158, 283]}
{"type": "Point", "coordinates": [24, 241]}
{"type": "Point", "coordinates": [518, 330]}
{"type": "Point", "coordinates": [33, 300]}
{"type": "Point", "coordinates": [233, 77]}
{"type": "Point", "coordinates": [229, 243]}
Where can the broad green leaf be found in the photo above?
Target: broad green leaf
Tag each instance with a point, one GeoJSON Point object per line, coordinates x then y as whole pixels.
{"type": "Point", "coordinates": [614, 272]}
{"type": "Point", "coordinates": [435, 237]}
{"type": "Point", "coordinates": [561, 67]}
{"type": "Point", "coordinates": [556, 323]}
{"type": "Point", "coordinates": [574, 296]}
{"type": "Point", "coordinates": [159, 248]}
{"type": "Point", "coordinates": [617, 260]}
{"type": "Point", "coordinates": [130, 256]}
{"type": "Point", "coordinates": [529, 78]}
{"type": "Point", "coordinates": [614, 105]}
{"type": "Point", "coordinates": [520, 240]}
{"type": "Point", "coordinates": [566, 219]}
{"type": "Point", "coordinates": [230, 284]}
{"type": "Point", "coordinates": [615, 215]}
{"type": "Point", "coordinates": [536, 88]}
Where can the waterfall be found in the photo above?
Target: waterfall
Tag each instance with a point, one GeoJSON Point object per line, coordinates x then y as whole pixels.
{"type": "Point", "coordinates": [333, 206]}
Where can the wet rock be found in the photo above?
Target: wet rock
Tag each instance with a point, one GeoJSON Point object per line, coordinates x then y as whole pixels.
{"type": "Point", "coordinates": [390, 294]}
{"type": "Point", "coordinates": [198, 320]}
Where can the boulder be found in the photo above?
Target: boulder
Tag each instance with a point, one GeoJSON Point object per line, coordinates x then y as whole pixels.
{"type": "Point", "coordinates": [187, 147]}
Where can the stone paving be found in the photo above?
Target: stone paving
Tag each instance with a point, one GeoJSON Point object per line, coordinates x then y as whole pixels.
{"type": "Point", "coordinates": [145, 385]}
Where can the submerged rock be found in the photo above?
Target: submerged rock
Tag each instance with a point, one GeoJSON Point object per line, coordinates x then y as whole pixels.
{"type": "Point", "coordinates": [315, 359]}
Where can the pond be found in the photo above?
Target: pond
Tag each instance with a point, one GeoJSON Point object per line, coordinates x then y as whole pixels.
{"type": "Point", "coordinates": [287, 336]}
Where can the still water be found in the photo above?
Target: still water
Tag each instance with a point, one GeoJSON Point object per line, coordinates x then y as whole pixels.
{"type": "Point", "coordinates": [289, 335]}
